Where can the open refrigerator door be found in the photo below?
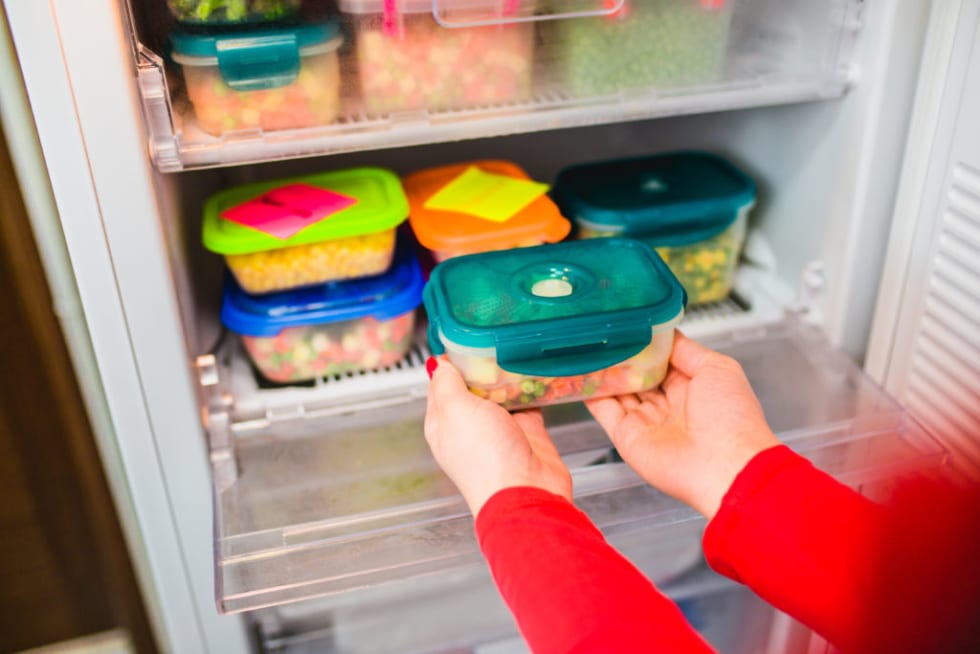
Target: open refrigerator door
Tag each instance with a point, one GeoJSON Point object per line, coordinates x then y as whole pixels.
{"type": "Point", "coordinates": [328, 510]}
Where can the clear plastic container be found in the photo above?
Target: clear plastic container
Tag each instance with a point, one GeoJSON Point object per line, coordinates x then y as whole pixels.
{"type": "Point", "coordinates": [648, 43]}
{"type": "Point", "coordinates": [231, 12]}
{"type": "Point", "coordinates": [450, 234]}
{"type": "Point", "coordinates": [408, 61]}
{"type": "Point", "coordinates": [331, 329]}
{"type": "Point", "coordinates": [358, 241]}
{"type": "Point", "coordinates": [691, 207]}
{"type": "Point", "coordinates": [277, 78]}
{"type": "Point", "coordinates": [556, 323]}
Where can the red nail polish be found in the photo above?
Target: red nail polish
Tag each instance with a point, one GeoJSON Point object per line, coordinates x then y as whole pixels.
{"type": "Point", "coordinates": [430, 366]}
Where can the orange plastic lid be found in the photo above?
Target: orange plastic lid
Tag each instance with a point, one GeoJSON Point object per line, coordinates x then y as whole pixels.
{"type": "Point", "coordinates": [460, 233]}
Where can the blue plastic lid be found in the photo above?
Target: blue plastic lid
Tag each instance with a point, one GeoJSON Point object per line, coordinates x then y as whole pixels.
{"type": "Point", "coordinates": [554, 310]}
{"type": "Point", "coordinates": [382, 297]}
{"type": "Point", "coordinates": [671, 199]}
{"type": "Point", "coordinates": [255, 60]}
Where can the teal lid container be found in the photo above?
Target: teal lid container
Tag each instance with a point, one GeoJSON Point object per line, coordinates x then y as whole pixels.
{"type": "Point", "coordinates": [257, 59]}
{"type": "Point", "coordinates": [553, 310]}
{"type": "Point", "coordinates": [668, 200]}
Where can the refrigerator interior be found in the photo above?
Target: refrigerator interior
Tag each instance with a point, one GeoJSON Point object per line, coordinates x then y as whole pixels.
{"type": "Point", "coordinates": [326, 501]}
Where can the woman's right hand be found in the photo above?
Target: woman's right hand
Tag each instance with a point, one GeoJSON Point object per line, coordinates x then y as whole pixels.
{"type": "Point", "coordinates": [692, 436]}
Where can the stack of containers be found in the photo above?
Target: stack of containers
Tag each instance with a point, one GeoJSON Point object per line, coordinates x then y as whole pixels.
{"type": "Point", "coordinates": [692, 207]}
{"type": "Point", "coordinates": [331, 298]}
{"type": "Point", "coordinates": [556, 323]}
{"type": "Point", "coordinates": [448, 55]}
{"type": "Point", "coordinates": [644, 43]}
{"type": "Point", "coordinates": [448, 234]}
{"type": "Point", "coordinates": [249, 64]}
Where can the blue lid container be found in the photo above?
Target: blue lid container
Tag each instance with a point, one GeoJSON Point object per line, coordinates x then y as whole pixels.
{"type": "Point", "coordinates": [669, 199]}
{"type": "Point", "coordinates": [382, 297]}
{"type": "Point", "coordinates": [256, 60]}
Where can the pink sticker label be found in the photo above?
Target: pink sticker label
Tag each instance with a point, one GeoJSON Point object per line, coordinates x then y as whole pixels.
{"type": "Point", "coordinates": [286, 210]}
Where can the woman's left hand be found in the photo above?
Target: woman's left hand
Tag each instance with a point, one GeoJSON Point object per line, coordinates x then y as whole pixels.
{"type": "Point", "coordinates": [485, 449]}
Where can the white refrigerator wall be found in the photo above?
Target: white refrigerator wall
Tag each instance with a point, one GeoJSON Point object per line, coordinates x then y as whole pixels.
{"type": "Point", "coordinates": [827, 174]}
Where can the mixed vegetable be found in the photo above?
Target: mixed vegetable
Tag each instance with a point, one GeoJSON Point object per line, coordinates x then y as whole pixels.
{"type": "Point", "coordinates": [643, 371]}
{"type": "Point", "coordinates": [429, 66]}
{"type": "Point", "coordinates": [308, 352]}
{"type": "Point", "coordinates": [315, 263]}
{"type": "Point", "coordinates": [231, 11]}
{"type": "Point", "coordinates": [313, 98]}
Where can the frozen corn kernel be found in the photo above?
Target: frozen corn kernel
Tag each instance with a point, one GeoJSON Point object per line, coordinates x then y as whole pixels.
{"type": "Point", "coordinates": [315, 263]}
{"type": "Point", "coordinates": [307, 352]}
{"type": "Point", "coordinates": [706, 269]}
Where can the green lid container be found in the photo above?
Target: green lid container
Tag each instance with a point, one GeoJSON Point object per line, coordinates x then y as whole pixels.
{"type": "Point", "coordinates": [553, 310]}
{"type": "Point", "coordinates": [670, 199]}
{"type": "Point", "coordinates": [381, 205]}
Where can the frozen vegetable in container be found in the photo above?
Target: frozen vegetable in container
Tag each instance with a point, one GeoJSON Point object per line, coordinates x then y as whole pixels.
{"type": "Point", "coordinates": [556, 323]}
{"type": "Point", "coordinates": [231, 12]}
{"type": "Point", "coordinates": [408, 60]}
{"type": "Point", "coordinates": [691, 206]}
{"type": "Point", "coordinates": [275, 78]}
{"type": "Point", "coordinates": [347, 232]}
{"type": "Point", "coordinates": [330, 329]}
{"type": "Point", "coordinates": [647, 43]}
{"type": "Point", "coordinates": [452, 232]}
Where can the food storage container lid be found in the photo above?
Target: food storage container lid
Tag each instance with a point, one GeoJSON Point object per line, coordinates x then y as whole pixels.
{"type": "Point", "coordinates": [259, 59]}
{"type": "Point", "coordinates": [676, 198]}
{"type": "Point", "coordinates": [381, 205]}
{"type": "Point", "coordinates": [426, 6]}
{"type": "Point", "coordinates": [382, 297]}
{"type": "Point", "coordinates": [554, 310]}
{"type": "Point", "coordinates": [453, 231]}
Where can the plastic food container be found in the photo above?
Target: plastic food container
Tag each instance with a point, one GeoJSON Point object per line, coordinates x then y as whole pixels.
{"type": "Point", "coordinates": [407, 60]}
{"type": "Point", "coordinates": [331, 329]}
{"type": "Point", "coordinates": [231, 12]}
{"type": "Point", "coordinates": [649, 43]}
{"type": "Point", "coordinates": [275, 78]}
{"type": "Point", "coordinates": [556, 323]}
{"type": "Point", "coordinates": [358, 241]}
{"type": "Point", "coordinates": [449, 234]}
{"type": "Point", "coordinates": [691, 206]}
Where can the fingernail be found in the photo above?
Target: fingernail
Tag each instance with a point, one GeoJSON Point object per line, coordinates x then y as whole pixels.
{"type": "Point", "coordinates": [430, 366]}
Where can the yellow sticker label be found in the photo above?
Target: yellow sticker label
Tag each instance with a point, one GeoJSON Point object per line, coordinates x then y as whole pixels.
{"type": "Point", "coordinates": [486, 195]}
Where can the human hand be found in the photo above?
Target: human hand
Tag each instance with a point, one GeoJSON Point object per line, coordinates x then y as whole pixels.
{"type": "Point", "coordinates": [482, 447]}
{"type": "Point", "coordinates": [692, 436]}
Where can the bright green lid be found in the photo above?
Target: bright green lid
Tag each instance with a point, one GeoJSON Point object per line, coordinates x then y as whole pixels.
{"type": "Point", "coordinates": [671, 199]}
{"type": "Point", "coordinates": [554, 310]}
{"type": "Point", "coordinates": [381, 205]}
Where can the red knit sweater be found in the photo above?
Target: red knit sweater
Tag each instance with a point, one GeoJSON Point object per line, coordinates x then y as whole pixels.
{"type": "Point", "coordinates": [802, 541]}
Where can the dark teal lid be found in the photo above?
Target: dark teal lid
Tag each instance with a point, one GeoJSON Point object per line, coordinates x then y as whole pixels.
{"type": "Point", "coordinates": [255, 60]}
{"type": "Point", "coordinates": [554, 310]}
{"type": "Point", "coordinates": [670, 199]}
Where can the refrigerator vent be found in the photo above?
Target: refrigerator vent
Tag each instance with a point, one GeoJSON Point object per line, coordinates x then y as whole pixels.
{"type": "Point", "coordinates": [943, 386]}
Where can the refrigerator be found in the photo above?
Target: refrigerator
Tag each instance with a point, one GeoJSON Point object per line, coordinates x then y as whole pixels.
{"type": "Point", "coordinates": [311, 517]}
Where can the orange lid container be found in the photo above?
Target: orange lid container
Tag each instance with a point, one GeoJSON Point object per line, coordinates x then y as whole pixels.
{"type": "Point", "coordinates": [452, 233]}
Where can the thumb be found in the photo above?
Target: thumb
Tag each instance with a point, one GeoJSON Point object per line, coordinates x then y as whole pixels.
{"type": "Point", "coordinates": [447, 385]}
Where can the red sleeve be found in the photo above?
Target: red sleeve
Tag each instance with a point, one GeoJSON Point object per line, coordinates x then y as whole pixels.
{"type": "Point", "coordinates": [568, 589]}
{"type": "Point", "coordinates": [899, 577]}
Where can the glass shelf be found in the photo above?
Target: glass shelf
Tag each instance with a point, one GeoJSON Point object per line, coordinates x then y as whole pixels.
{"type": "Point", "coordinates": [318, 505]}
{"type": "Point", "coordinates": [775, 52]}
